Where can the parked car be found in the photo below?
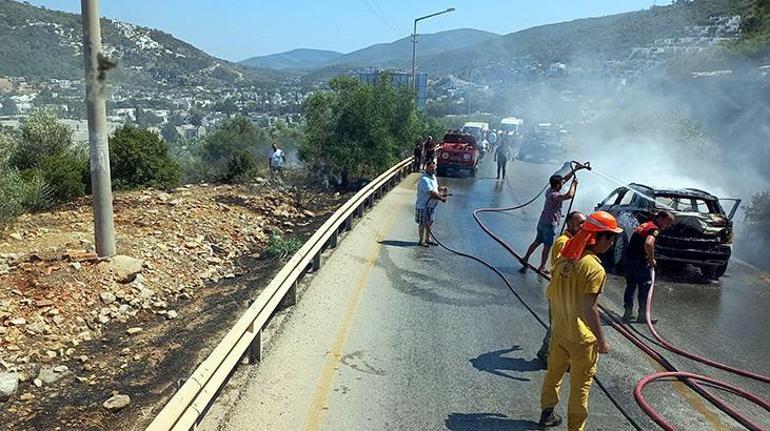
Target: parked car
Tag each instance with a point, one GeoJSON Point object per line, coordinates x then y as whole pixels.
{"type": "Point", "coordinates": [458, 151]}
{"type": "Point", "coordinates": [542, 144]}
{"type": "Point", "coordinates": [702, 235]}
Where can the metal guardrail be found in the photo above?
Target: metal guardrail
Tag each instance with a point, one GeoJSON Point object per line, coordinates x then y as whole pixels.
{"type": "Point", "coordinates": [188, 405]}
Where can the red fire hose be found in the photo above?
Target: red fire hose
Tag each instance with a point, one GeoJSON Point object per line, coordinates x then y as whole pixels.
{"type": "Point", "coordinates": [689, 379]}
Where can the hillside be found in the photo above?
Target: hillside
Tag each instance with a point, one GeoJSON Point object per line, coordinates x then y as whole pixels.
{"type": "Point", "coordinates": [296, 59]}
{"type": "Point", "coordinates": [39, 43]}
{"type": "Point", "coordinates": [589, 40]}
{"type": "Point", "coordinates": [399, 53]}
{"type": "Point", "coordinates": [393, 54]}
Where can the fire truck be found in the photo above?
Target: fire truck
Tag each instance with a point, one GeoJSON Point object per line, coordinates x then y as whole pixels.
{"type": "Point", "coordinates": [458, 151]}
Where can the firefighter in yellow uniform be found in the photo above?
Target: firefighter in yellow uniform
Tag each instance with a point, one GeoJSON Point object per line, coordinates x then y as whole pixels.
{"type": "Point", "coordinates": [575, 221]}
{"type": "Point", "coordinates": [576, 334]}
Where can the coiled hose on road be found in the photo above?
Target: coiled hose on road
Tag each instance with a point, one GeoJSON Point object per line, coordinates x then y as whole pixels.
{"type": "Point", "coordinates": [689, 379]}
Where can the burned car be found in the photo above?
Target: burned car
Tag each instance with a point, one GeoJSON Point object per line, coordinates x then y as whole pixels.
{"type": "Point", "coordinates": [702, 235]}
{"type": "Point", "coordinates": [542, 144]}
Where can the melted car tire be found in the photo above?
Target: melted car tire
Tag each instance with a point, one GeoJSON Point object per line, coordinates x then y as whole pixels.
{"type": "Point", "coordinates": [713, 272]}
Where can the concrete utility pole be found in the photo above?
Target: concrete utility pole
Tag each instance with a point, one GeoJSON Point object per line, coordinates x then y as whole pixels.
{"type": "Point", "coordinates": [414, 43]}
{"type": "Point", "coordinates": [101, 183]}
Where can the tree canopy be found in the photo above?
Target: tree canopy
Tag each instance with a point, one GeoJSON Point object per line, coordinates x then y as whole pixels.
{"type": "Point", "coordinates": [356, 129]}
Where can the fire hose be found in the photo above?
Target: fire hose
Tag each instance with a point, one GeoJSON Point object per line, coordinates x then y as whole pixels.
{"type": "Point", "coordinates": [690, 379]}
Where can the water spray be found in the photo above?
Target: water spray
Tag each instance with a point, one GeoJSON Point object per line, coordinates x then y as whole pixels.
{"type": "Point", "coordinates": [690, 379]}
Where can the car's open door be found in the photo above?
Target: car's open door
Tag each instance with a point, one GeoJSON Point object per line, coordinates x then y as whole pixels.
{"type": "Point", "coordinates": [735, 202]}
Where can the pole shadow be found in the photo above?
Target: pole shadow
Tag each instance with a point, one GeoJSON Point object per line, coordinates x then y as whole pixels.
{"type": "Point", "coordinates": [496, 363]}
{"type": "Point", "coordinates": [487, 422]}
{"type": "Point", "coordinates": [397, 243]}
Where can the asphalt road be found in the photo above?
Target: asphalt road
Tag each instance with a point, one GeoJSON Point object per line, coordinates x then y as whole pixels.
{"type": "Point", "coordinates": [389, 335]}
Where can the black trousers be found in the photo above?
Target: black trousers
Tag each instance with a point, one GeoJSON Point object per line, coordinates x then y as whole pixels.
{"type": "Point", "coordinates": [501, 168]}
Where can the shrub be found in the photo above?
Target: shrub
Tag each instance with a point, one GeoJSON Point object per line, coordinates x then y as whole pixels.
{"type": "Point", "coordinates": [280, 248]}
{"type": "Point", "coordinates": [758, 212]}
{"type": "Point", "coordinates": [21, 193]}
{"type": "Point", "coordinates": [298, 180]}
{"type": "Point", "coordinates": [241, 168]}
{"type": "Point", "coordinates": [66, 174]}
{"type": "Point", "coordinates": [234, 136]}
{"type": "Point", "coordinates": [140, 158]}
{"type": "Point", "coordinates": [42, 136]}
{"type": "Point", "coordinates": [7, 147]}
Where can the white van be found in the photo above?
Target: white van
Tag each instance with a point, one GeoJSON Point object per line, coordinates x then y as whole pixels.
{"type": "Point", "coordinates": [477, 129]}
{"type": "Point", "coordinates": [511, 125]}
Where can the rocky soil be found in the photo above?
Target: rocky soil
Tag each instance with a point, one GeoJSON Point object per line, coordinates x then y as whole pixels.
{"type": "Point", "coordinates": [90, 343]}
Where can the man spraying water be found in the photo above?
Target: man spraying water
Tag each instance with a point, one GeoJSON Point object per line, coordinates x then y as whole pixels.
{"type": "Point", "coordinates": [550, 217]}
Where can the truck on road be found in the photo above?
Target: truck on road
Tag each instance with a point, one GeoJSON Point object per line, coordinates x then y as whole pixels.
{"type": "Point", "coordinates": [458, 151]}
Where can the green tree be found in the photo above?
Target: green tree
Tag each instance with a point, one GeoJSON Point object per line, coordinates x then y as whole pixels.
{"type": "Point", "coordinates": [196, 117]}
{"type": "Point", "coordinates": [359, 130]}
{"type": "Point", "coordinates": [42, 136]}
{"type": "Point", "coordinates": [8, 107]}
{"type": "Point", "coordinates": [140, 158]}
{"type": "Point", "coordinates": [146, 118]}
{"type": "Point", "coordinates": [758, 212]}
{"type": "Point", "coordinates": [236, 135]}
{"type": "Point", "coordinates": [169, 133]}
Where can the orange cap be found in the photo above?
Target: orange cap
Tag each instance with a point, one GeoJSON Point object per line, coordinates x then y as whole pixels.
{"type": "Point", "coordinates": [600, 221]}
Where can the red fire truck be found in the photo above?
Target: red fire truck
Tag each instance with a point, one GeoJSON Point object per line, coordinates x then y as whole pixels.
{"type": "Point", "coordinates": [458, 151]}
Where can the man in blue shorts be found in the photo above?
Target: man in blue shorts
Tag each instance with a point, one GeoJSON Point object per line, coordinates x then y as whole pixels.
{"type": "Point", "coordinates": [428, 195]}
{"type": "Point", "coordinates": [550, 218]}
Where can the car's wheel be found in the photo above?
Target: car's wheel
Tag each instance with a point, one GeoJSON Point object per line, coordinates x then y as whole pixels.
{"type": "Point", "coordinates": [713, 272]}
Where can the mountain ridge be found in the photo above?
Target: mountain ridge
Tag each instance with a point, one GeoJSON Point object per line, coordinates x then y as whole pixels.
{"type": "Point", "coordinates": [386, 54]}
{"type": "Point", "coordinates": [41, 43]}
{"type": "Point", "coordinates": [294, 59]}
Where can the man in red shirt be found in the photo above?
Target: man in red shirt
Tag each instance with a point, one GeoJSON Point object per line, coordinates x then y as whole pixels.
{"type": "Point", "coordinates": [430, 149]}
{"type": "Point", "coordinates": [639, 261]}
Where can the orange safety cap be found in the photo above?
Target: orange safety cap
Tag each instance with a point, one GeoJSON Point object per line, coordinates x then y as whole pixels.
{"type": "Point", "coordinates": [601, 221]}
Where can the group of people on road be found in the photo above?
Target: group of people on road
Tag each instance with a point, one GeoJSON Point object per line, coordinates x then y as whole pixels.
{"type": "Point", "coordinates": [575, 338]}
{"type": "Point", "coordinates": [423, 152]}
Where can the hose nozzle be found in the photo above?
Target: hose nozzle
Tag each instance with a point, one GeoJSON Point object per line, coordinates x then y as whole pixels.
{"type": "Point", "coordinates": [578, 165]}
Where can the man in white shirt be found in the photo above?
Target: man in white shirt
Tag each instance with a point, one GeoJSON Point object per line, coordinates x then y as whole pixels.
{"type": "Point", "coordinates": [276, 161]}
{"type": "Point", "coordinates": [428, 195]}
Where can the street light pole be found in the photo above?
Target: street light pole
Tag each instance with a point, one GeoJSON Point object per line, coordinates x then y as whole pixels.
{"type": "Point", "coordinates": [414, 43]}
{"type": "Point", "coordinates": [101, 182]}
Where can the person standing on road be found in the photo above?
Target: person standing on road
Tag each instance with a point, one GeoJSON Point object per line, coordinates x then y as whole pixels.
{"type": "Point", "coordinates": [430, 150]}
{"type": "Point", "coordinates": [575, 221]}
{"type": "Point", "coordinates": [639, 262]}
{"type": "Point", "coordinates": [576, 333]}
{"type": "Point", "coordinates": [276, 161]}
{"type": "Point", "coordinates": [492, 138]}
{"type": "Point", "coordinates": [428, 195]}
{"type": "Point", "coordinates": [417, 153]}
{"type": "Point", "coordinates": [550, 218]}
{"type": "Point", "coordinates": [502, 155]}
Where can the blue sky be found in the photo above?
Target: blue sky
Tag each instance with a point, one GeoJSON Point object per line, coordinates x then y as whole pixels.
{"type": "Point", "coordinates": [238, 29]}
